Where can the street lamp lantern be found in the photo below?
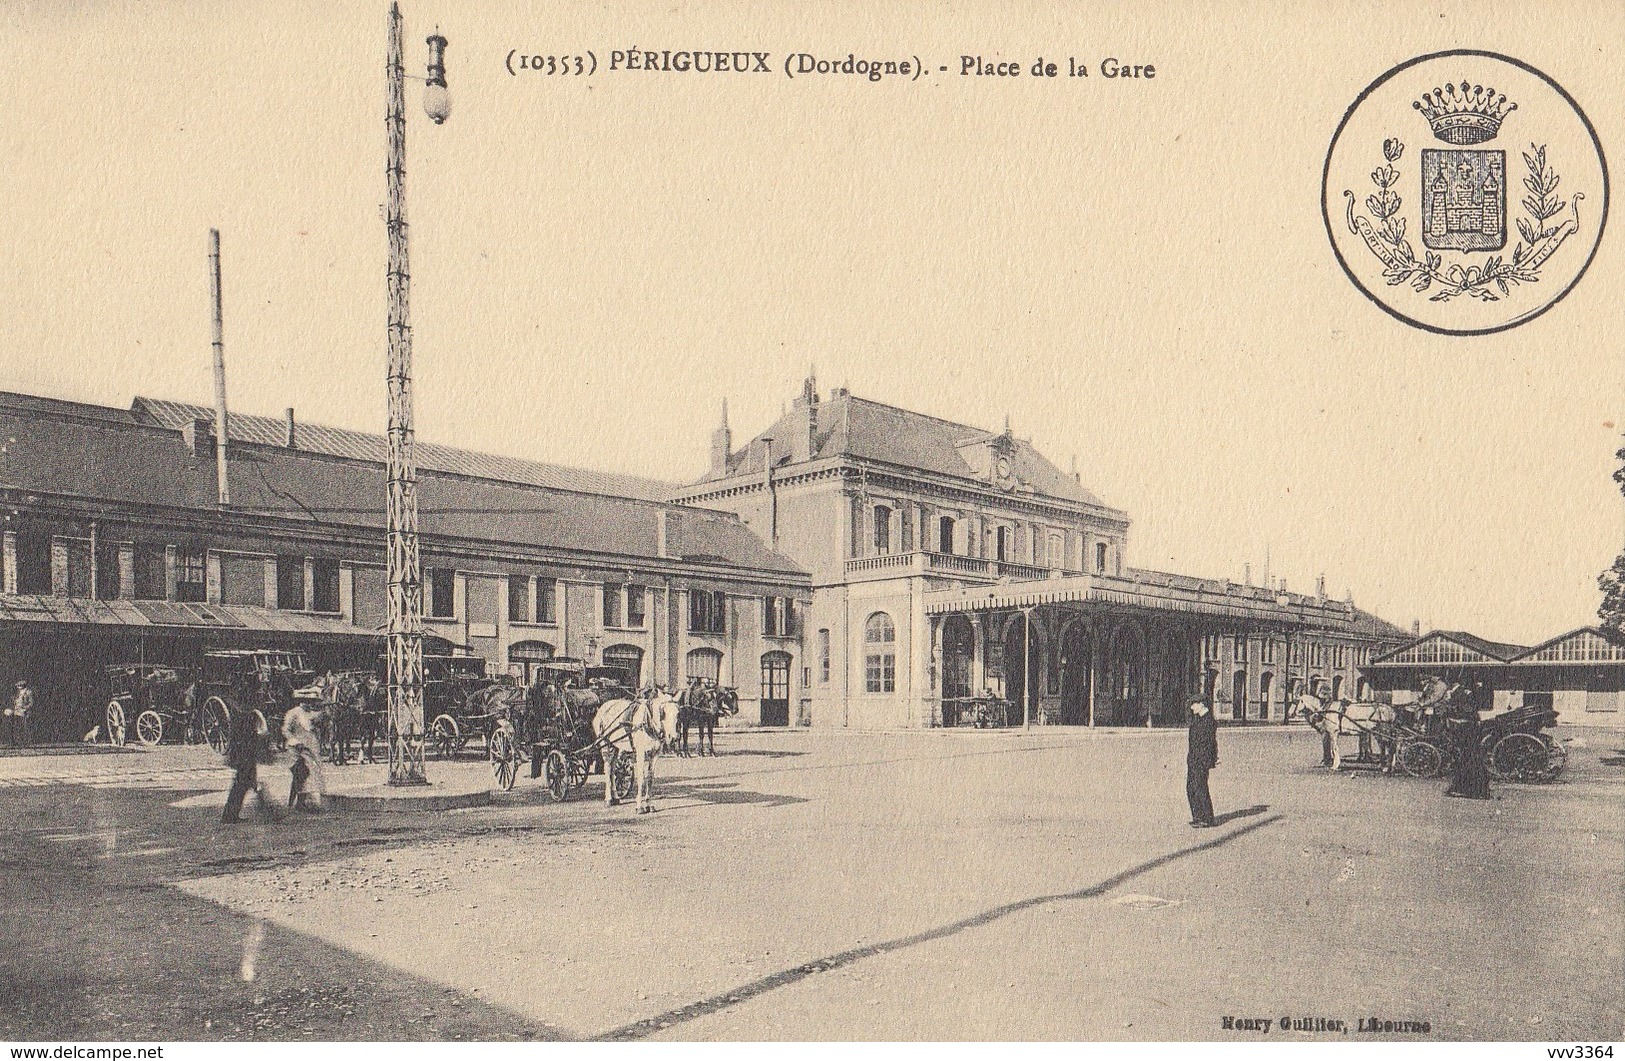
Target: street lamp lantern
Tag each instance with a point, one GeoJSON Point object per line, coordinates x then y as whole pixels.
{"type": "Point", "coordinates": [436, 98]}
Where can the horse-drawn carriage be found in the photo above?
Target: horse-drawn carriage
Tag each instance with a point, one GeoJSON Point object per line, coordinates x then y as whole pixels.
{"type": "Point", "coordinates": [977, 712]}
{"type": "Point", "coordinates": [265, 681]}
{"type": "Point", "coordinates": [1418, 741]}
{"type": "Point", "coordinates": [1514, 745]}
{"type": "Point", "coordinates": [555, 733]}
{"type": "Point", "coordinates": [462, 700]}
{"type": "Point", "coordinates": [153, 703]}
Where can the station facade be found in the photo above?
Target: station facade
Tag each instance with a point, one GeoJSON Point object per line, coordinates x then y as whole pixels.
{"type": "Point", "coordinates": [949, 561]}
{"type": "Point", "coordinates": [115, 548]}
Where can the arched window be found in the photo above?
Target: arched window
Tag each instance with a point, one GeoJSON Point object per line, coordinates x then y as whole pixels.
{"type": "Point", "coordinates": [882, 530]}
{"type": "Point", "coordinates": [704, 663]}
{"type": "Point", "coordinates": [945, 535]}
{"type": "Point", "coordinates": [629, 660]}
{"type": "Point", "coordinates": [879, 654]}
{"type": "Point", "coordinates": [525, 657]}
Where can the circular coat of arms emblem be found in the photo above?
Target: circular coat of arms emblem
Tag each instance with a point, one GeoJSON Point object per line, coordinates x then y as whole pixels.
{"type": "Point", "coordinates": [1465, 192]}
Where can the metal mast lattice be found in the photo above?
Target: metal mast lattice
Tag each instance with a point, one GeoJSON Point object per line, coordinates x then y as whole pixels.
{"type": "Point", "coordinates": [405, 652]}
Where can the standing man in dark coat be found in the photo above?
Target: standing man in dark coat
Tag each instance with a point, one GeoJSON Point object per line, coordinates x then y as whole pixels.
{"type": "Point", "coordinates": [1202, 757]}
{"type": "Point", "coordinates": [243, 754]}
{"type": "Point", "coordinates": [1472, 779]}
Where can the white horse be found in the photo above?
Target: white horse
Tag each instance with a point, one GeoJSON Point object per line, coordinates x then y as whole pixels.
{"type": "Point", "coordinates": [641, 728]}
{"type": "Point", "coordinates": [1340, 718]}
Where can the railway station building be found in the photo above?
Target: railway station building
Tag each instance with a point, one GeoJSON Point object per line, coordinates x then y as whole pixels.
{"type": "Point", "coordinates": [950, 561]}
{"type": "Point", "coordinates": [1580, 674]}
{"type": "Point", "coordinates": [115, 547]}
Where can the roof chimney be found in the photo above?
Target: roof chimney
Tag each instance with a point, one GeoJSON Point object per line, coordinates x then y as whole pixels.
{"type": "Point", "coordinates": [1416, 628]}
{"type": "Point", "coordinates": [1247, 574]}
{"type": "Point", "coordinates": [721, 445]}
{"type": "Point", "coordinates": [1320, 586]}
{"type": "Point", "coordinates": [199, 436]}
{"type": "Point", "coordinates": [811, 392]}
{"type": "Point", "coordinates": [289, 438]}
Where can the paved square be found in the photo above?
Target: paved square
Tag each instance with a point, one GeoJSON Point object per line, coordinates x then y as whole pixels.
{"type": "Point", "coordinates": [812, 886]}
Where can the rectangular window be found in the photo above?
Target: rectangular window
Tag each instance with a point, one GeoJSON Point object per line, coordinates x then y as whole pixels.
{"type": "Point", "coordinates": [107, 570]}
{"type": "Point", "coordinates": [191, 575]}
{"type": "Point", "coordinates": [78, 550]}
{"type": "Point", "coordinates": [882, 530]}
{"type": "Point", "coordinates": [823, 657]}
{"type": "Point", "coordinates": [149, 572]}
{"type": "Point", "coordinates": [906, 520]}
{"type": "Point", "coordinates": [34, 564]}
{"type": "Point", "coordinates": [519, 598]}
{"type": "Point", "coordinates": [290, 583]}
{"type": "Point", "coordinates": [945, 535]}
{"type": "Point", "coordinates": [547, 600]}
{"type": "Point", "coordinates": [880, 671]}
{"type": "Point", "coordinates": [707, 611]}
{"type": "Point", "coordinates": [612, 605]}
{"type": "Point", "coordinates": [441, 592]}
{"type": "Point", "coordinates": [776, 616]}
{"type": "Point", "coordinates": [325, 577]}
{"type": "Point", "coordinates": [636, 607]}
{"type": "Point", "coordinates": [1240, 649]}
{"type": "Point", "coordinates": [856, 529]}
{"type": "Point", "coordinates": [1100, 558]}
{"type": "Point", "coordinates": [1268, 648]}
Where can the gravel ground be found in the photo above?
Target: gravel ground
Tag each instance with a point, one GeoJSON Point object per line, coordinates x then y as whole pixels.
{"type": "Point", "coordinates": [818, 886]}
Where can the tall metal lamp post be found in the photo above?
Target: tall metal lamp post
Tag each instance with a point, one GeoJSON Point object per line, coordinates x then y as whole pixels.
{"type": "Point", "coordinates": [405, 600]}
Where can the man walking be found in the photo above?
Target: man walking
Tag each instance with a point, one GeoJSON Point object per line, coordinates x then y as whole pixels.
{"type": "Point", "coordinates": [242, 754]}
{"type": "Point", "coordinates": [17, 714]}
{"type": "Point", "coordinates": [1202, 756]}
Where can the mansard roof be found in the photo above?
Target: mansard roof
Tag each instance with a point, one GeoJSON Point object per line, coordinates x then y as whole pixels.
{"type": "Point", "coordinates": [854, 427]}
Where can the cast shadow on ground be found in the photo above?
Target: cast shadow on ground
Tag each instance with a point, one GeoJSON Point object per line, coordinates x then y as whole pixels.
{"type": "Point", "coordinates": [1247, 812]}
{"type": "Point", "coordinates": [745, 992]}
{"type": "Point", "coordinates": [724, 792]}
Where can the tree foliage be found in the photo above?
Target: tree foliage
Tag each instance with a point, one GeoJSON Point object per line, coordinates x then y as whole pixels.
{"type": "Point", "coordinates": [1612, 581]}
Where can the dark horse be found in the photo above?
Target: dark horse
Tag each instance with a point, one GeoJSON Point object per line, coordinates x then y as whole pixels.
{"type": "Point", "coordinates": [700, 706]}
{"type": "Point", "coordinates": [353, 703]}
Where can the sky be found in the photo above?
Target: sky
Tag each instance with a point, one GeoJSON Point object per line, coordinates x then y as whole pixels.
{"type": "Point", "coordinates": [1134, 271]}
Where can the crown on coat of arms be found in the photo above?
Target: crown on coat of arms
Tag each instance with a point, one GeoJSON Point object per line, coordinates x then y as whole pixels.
{"type": "Point", "coordinates": [1470, 116]}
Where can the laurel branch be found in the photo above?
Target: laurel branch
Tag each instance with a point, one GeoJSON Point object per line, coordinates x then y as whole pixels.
{"type": "Point", "coordinates": [1386, 237]}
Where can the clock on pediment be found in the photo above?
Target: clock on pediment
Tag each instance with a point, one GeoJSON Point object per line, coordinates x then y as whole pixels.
{"type": "Point", "coordinates": [992, 459]}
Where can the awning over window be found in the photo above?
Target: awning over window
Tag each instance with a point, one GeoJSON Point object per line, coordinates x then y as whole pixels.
{"type": "Point", "coordinates": [36, 612]}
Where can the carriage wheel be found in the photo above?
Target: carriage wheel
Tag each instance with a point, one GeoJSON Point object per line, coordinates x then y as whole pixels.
{"type": "Point", "coordinates": [621, 776]}
{"type": "Point", "coordinates": [216, 723]}
{"type": "Point", "coordinates": [1557, 757]}
{"type": "Point", "coordinates": [115, 723]}
{"type": "Point", "coordinates": [445, 735]}
{"type": "Point", "coordinates": [579, 769]}
{"type": "Point", "coordinates": [1418, 758]}
{"type": "Point", "coordinates": [1519, 757]}
{"type": "Point", "coordinates": [504, 764]}
{"type": "Point", "coordinates": [149, 727]}
{"type": "Point", "coordinates": [557, 772]}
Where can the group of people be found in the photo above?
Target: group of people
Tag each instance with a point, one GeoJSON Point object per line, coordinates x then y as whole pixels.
{"type": "Point", "coordinates": [246, 744]}
{"type": "Point", "coordinates": [1456, 707]}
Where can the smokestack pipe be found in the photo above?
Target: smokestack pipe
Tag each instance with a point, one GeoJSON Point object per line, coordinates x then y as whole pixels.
{"type": "Point", "coordinates": [289, 437]}
{"type": "Point", "coordinates": [219, 372]}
